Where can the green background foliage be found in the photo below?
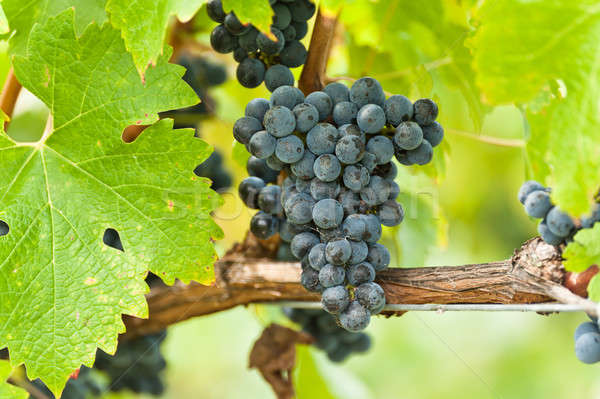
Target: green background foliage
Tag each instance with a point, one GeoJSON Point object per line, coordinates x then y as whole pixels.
{"type": "Point", "coordinates": [517, 86]}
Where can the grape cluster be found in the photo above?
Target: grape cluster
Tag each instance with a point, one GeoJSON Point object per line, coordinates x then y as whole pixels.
{"type": "Point", "coordinates": [137, 365]}
{"type": "Point", "coordinates": [263, 57]}
{"type": "Point", "coordinates": [336, 147]}
{"type": "Point", "coordinates": [587, 342]}
{"type": "Point", "coordinates": [556, 227]}
{"type": "Point", "coordinates": [85, 385]}
{"type": "Point", "coordinates": [336, 342]}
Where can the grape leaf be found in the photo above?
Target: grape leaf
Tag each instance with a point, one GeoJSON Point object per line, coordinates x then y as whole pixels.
{"type": "Point", "coordinates": [542, 44]}
{"type": "Point", "coordinates": [9, 391]}
{"type": "Point", "coordinates": [22, 15]}
{"type": "Point", "coordinates": [583, 252]}
{"type": "Point", "coordinates": [62, 292]}
{"type": "Point", "coordinates": [256, 12]}
{"type": "Point", "coordinates": [3, 22]}
{"type": "Point", "coordinates": [143, 24]}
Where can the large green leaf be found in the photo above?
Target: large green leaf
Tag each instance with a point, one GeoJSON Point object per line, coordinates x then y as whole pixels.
{"type": "Point", "coordinates": [143, 24]}
{"type": "Point", "coordinates": [8, 391]}
{"type": "Point", "coordinates": [22, 15]}
{"type": "Point", "coordinates": [543, 44]}
{"type": "Point", "coordinates": [62, 292]}
{"type": "Point", "coordinates": [256, 12]}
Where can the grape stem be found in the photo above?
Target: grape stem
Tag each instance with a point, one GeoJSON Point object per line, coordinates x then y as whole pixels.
{"type": "Point", "coordinates": [9, 96]}
{"type": "Point", "coordinates": [314, 72]}
{"type": "Point", "coordinates": [533, 275]}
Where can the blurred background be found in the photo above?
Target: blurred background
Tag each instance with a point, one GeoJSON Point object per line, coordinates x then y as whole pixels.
{"type": "Point", "coordinates": [463, 209]}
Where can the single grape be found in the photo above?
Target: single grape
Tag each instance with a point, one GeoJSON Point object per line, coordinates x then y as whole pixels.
{"type": "Point", "coordinates": [527, 188]}
{"type": "Point", "coordinates": [355, 317]}
{"type": "Point", "coordinates": [338, 252]}
{"type": "Point", "coordinates": [379, 256]}
{"type": "Point", "coordinates": [330, 276]}
{"type": "Point", "coordinates": [269, 199]}
{"type": "Point", "coordinates": [356, 177]}
{"type": "Point", "coordinates": [287, 96]}
{"type": "Point", "coordinates": [310, 280]}
{"type": "Point", "coordinates": [257, 108]}
{"type": "Point", "coordinates": [388, 171]}
{"type": "Point", "coordinates": [321, 190]}
{"type": "Point", "coordinates": [262, 144]}
{"type": "Point", "coordinates": [367, 91]}
{"type": "Point", "coordinates": [349, 149]}
{"type": "Point", "coordinates": [307, 117]}
{"type": "Point", "coordinates": [299, 208]}
{"type": "Point", "coordinates": [250, 72]}
{"type": "Point", "coordinates": [371, 118]}
{"type": "Point", "coordinates": [559, 222]}
{"type": "Point", "coordinates": [371, 296]}
{"type": "Point", "coordinates": [301, 29]}
{"type": "Point", "coordinates": [350, 202]}
{"type": "Point", "coordinates": [239, 54]}
{"type": "Point", "coordinates": [259, 168]}
{"type": "Point", "coordinates": [245, 127]}
{"type": "Point", "coordinates": [390, 213]}
{"type": "Point", "coordinates": [382, 148]}
{"type": "Point", "coordinates": [287, 230]}
{"type": "Point", "coordinates": [587, 348]}
{"type": "Point", "coordinates": [339, 354]}
{"type": "Point", "coordinates": [214, 9]}
{"type": "Point", "coordinates": [421, 155]}
{"type": "Point", "coordinates": [394, 190]}
{"type": "Point", "coordinates": [304, 167]}
{"type": "Point", "coordinates": [222, 41]}
{"type": "Point", "coordinates": [282, 17]}
{"type": "Point", "coordinates": [408, 136]}
{"type": "Point", "coordinates": [327, 167]}
{"type": "Point", "coordinates": [376, 192]}
{"type": "Point", "coordinates": [372, 233]}
{"type": "Point", "coordinates": [302, 244]}
{"type": "Point", "coordinates": [322, 103]}
{"type": "Point", "coordinates": [234, 25]}
{"type": "Point", "coordinates": [360, 273]}
{"type": "Point", "coordinates": [433, 133]}
{"type": "Point", "coordinates": [537, 204]}
{"type": "Point", "coordinates": [335, 299]}
{"type": "Point", "coordinates": [289, 149]}
{"type": "Point", "coordinates": [353, 130]}
{"type": "Point", "coordinates": [293, 54]}
{"type": "Point", "coordinates": [322, 139]}
{"type": "Point", "coordinates": [302, 10]}
{"type": "Point", "coordinates": [354, 227]}
{"type": "Point", "coordinates": [362, 344]}
{"type": "Point", "coordinates": [398, 109]}
{"type": "Point", "coordinates": [316, 256]}
{"type": "Point", "coordinates": [279, 121]}
{"type": "Point", "coordinates": [274, 163]}
{"type": "Point", "coordinates": [328, 213]}
{"type": "Point", "coordinates": [344, 113]}
{"type": "Point", "coordinates": [338, 92]}
{"type": "Point", "coordinates": [249, 189]}
{"type": "Point", "coordinates": [264, 225]}
{"type": "Point", "coordinates": [360, 251]}
{"type": "Point", "coordinates": [289, 34]}
{"type": "Point", "coordinates": [584, 328]}
{"type": "Point", "coordinates": [247, 41]}
{"type": "Point", "coordinates": [425, 111]}
{"type": "Point", "coordinates": [268, 46]}
{"type": "Point", "coordinates": [369, 161]}
{"type": "Point", "coordinates": [278, 75]}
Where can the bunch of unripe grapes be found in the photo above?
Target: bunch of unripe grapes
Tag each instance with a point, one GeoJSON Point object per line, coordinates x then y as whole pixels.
{"type": "Point", "coordinates": [556, 227]}
{"type": "Point", "coordinates": [264, 57]}
{"type": "Point", "coordinates": [335, 148]}
{"type": "Point", "coordinates": [336, 342]}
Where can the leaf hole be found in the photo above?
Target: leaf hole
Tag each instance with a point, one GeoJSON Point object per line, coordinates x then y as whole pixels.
{"type": "Point", "coordinates": [4, 229]}
{"type": "Point", "coordinates": [112, 239]}
{"type": "Point", "coordinates": [131, 132]}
